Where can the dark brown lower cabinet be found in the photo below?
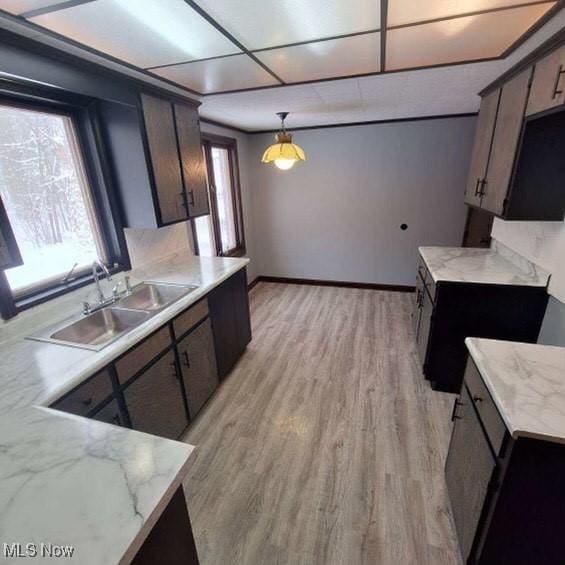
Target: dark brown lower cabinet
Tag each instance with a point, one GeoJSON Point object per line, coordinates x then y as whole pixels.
{"type": "Point", "coordinates": [171, 540]}
{"type": "Point", "coordinates": [154, 399]}
{"type": "Point", "coordinates": [468, 471]}
{"type": "Point", "coordinates": [198, 366]}
{"type": "Point", "coordinates": [229, 312]}
{"type": "Point", "coordinates": [507, 495]}
{"type": "Point", "coordinates": [448, 312]}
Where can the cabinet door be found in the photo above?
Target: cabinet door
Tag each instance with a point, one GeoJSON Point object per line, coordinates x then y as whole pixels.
{"type": "Point", "coordinates": [427, 309]}
{"type": "Point", "coordinates": [468, 471]}
{"type": "Point", "coordinates": [154, 400]}
{"type": "Point", "coordinates": [222, 313]}
{"type": "Point", "coordinates": [192, 159]}
{"type": "Point", "coordinates": [505, 142]}
{"type": "Point", "coordinates": [229, 311]}
{"type": "Point", "coordinates": [417, 307]}
{"type": "Point", "coordinates": [548, 86]}
{"type": "Point", "coordinates": [481, 148]}
{"type": "Point", "coordinates": [240, 299]}
{"type": "Point", "coordinates": [198, 364]}
{"type": "Point", "coordinates": [163, 149]}
{"type": "Point", "coordinates": [110, 414]}
{"type": "Point", "coordinates": [9, 252]}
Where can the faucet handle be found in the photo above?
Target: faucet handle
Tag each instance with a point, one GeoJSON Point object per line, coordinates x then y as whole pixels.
{"type": "Point", "coordinates": [85, 308]}
{"type": "Point", "coordinates": [127, 283]}
{"type": "Point", "coordinates": [116, 289]}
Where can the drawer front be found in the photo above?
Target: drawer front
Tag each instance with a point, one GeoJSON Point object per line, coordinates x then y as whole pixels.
{"type": "Point", "coordinates": [87, 396]}
{"type": "Point", "coordinates": [135, 359]}
{"type": "Point", "coordinates": [189, 318]}
{"type": "Point", "coordinates": [485, 406]}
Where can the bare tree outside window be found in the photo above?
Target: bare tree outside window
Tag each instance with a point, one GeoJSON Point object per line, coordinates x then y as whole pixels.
{"type": "Point", "coordinates": [45, 191]}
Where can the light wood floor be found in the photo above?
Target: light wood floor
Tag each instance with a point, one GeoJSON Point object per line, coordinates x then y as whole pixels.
{"type": "Point", "coordinates": [325, 445]}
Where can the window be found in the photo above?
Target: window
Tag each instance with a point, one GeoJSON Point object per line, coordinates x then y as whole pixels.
{"type": "Point", "coordinates": [50, 202]}
{"type": "Point", "coordinates": [221, 233]}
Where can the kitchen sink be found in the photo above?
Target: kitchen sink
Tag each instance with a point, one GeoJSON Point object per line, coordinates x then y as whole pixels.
{"type": "Point", "coordinates": [94, 331]}
{"type": "Point", "coordinates": [154, 296]}
{"type": "Point", "coordinates": [97, 330]}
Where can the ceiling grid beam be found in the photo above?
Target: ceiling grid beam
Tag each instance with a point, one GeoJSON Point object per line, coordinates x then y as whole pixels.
{"type": "Point", "coordinates": [229, 36]}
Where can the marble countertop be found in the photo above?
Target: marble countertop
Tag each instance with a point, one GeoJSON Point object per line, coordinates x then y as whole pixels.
{"type": "Point", "coordinates": [481, 266]}
{"type": "Point", "coordinates": [527, 384]}
{"type": "Point", "coordinates": [69, 480]}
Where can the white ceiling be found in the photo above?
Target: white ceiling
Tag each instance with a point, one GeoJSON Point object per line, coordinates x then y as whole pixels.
{"type": "Point", "coordinates": [253, 47]}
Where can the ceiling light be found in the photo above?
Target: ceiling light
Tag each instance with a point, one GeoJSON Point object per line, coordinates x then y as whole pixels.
{"type": "Point", "coordinates": [283, 153]}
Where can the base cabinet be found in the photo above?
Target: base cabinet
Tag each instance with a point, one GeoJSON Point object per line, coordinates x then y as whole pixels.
{"type": "Point", "coordinates": [198, 366]}
{"type": "Point", "coordinates": [449, 312]}
{"type": "Point", "coordinates": [506, 494]}
{"type": "Point", "coordinates": [154, 400]}
{"type": "Point", "coordinates": [161, 383]}
{"type": "Point", "coordinates": [468, 471]}
{"type": "Point", "coordinates": [229, 312]}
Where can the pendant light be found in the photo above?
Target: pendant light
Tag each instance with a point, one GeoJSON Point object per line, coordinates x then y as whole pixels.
{"type": "Point", "coordinates": [283, 153]}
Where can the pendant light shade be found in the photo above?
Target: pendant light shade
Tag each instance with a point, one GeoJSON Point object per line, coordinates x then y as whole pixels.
{"type": "Point", "coordinates": [284, 154]}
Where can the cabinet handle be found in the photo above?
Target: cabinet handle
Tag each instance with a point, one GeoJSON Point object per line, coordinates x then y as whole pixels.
{"type": "Point", "coordinates": [454, 415]}
{"type": "Point", "coordinates": [191, 192]}
{"type": "Point", "coordinates": [186, 360]}
{"type": "Point", "coordinates": [175, 372]}
{"type": "Point", "coordinates": [556, 89]}
{"type": "Point", "coordinates": [482, 190]}
{"type": "Point", "coordinates": [477, 399]}
{"type": "Point", "coordinates": [477, 191]}
{"type": "Point", "coordinates": [183, 201]}
{"type": "Point", "coordinates": [87, 401]}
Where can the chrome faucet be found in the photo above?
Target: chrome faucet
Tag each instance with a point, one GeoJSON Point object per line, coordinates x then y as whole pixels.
{"type": "Point", "coordinates": [95, 266]}
{"type": "Point", "coordinates": [102, 300]}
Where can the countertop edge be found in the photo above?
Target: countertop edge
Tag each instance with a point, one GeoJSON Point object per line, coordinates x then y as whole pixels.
{"type": "Point", "coordinates": [438, 279]}
{"type": "Point", "coordinates": [475, 356]}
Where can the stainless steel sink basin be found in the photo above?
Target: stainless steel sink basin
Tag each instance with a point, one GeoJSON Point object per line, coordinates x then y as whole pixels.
{"type": "Point", "coordinates": [94, 331]}
{"type": "Point", "coordinates": [154, 296]}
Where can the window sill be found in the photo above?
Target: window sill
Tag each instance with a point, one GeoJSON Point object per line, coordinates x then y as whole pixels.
{"type": "Point", "coordinates": [238, 252]}
{"type": "Point", "coordinates": [41, 296]}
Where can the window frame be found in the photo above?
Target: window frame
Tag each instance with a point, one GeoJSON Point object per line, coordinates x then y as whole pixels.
{"type": "Point", "coordinates": [82, 111]}
{"type": "Point", "coordinates": [209, 141]}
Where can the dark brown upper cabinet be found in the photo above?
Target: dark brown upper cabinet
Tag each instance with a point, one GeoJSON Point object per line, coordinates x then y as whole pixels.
{"type": "Point", "coordinates": [548, 86]}
{"type": "Point", "coordinates": [9, 251]}
{"type": "Point", "coordinates": [192, 159]}
{"type": "Point", "coordinates": [517, 168]}
{"type": "Point", "coordinates": [160, 131]}
{"type": "Point", "coordinates": [496, 141]}
{"type": "Point", "coordinates": [481, 149]}
{"type": "Point", "coordinates": [176, 162]}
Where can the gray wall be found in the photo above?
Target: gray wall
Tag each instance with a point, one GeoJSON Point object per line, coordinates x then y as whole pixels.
{"type": "Point", "coordinates": [337, 216]}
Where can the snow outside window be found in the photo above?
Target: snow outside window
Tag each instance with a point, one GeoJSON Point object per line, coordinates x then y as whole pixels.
{"type": "Point", "coordinates": [44, 188]}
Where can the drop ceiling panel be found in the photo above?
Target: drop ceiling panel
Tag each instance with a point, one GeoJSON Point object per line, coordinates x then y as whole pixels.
{"type": "Point", "coordinates": [459, 39]}
{"type": "Point", "coordinates": [335, 58]}
{"type": "Point", "coordinates": [267, 23]}
{"type": "Point", "coordinates": [144, 33]}
{"type": "Point", "coordinates": [18, 7]}
{"type": "Point", "coordinates": [402, 12]}
{"type": "Point", "coordinates": [217, 75]}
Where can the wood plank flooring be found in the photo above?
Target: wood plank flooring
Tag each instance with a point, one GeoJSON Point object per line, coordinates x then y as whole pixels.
{"type": "Point", "coordinates": [325, 445]}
